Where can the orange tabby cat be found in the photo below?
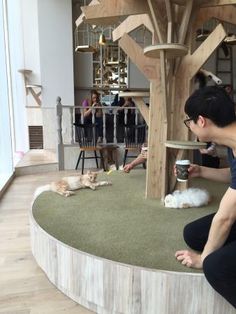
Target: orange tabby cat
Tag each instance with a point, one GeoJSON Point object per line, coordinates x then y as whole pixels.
{"type": "Point", "coordinates": [67, 185]}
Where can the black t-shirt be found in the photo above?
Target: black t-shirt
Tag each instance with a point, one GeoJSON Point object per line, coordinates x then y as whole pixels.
{"type": "Point", "coordinates": [232, 164]}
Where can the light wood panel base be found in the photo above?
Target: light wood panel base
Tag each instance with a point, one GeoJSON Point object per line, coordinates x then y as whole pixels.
{"type": "Point", "coordinates": [108, 287]}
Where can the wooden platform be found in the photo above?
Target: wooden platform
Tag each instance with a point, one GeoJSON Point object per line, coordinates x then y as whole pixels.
{"type": "Point", "coordinates": [109, 287]}
{"type": "Point", "coordinates": [171, 50]}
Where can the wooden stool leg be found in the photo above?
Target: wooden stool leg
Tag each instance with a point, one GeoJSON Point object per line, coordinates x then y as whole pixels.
{"type": "Point", "coordinates": [77, 164]}
{"type": "Point", "coordinates": [102, 160]}
{"type": "Point", "coordinates": [83, 156]}
{"type": "Point", "coordinates": [125, 156]}
{"type": "Point", "coordinates": [96, 157]}
{"type": "Point", "coordinates": [116, 158]}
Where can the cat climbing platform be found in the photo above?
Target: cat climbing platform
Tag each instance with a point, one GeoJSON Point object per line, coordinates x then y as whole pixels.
{"type": "Point", "coordinates": [34, 89]}
{"type": "Point", "coordinates": [171, 50]}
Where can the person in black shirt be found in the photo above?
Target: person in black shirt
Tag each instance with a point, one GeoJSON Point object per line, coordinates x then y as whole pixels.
{"type": "Point", "coordinates": [211, 117]}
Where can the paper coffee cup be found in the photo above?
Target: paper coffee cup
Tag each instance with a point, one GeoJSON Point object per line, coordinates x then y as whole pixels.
{"type": "Point", "coordinates": [182, 169]}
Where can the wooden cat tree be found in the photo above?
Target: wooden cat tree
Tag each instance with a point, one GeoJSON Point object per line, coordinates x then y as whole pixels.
{"type": "Point", "coordinates": [169, 64]}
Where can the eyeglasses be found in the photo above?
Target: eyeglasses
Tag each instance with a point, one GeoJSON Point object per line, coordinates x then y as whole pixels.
{"type": "Point", "coordinates": [187, 122]}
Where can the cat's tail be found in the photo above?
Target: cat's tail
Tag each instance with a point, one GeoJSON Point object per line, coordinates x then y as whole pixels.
{"type": "Point", "coordinates": [41, 189]}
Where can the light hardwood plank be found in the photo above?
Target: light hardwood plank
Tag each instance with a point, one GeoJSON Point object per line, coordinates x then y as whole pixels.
{"type": "Point", "coordinates": [25, 289]}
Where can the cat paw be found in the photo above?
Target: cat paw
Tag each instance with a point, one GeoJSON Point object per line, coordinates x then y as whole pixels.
{"type": "Point", "coordinates": [69, 193]}
{"type": "Point", "coordinates": [109, 183]}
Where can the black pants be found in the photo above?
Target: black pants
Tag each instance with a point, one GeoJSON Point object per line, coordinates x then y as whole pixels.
{"type": "Point", "coordinates": [220, 266]}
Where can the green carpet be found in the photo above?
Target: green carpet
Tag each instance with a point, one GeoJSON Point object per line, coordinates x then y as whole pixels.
{"type": "Point", "coordinates": [118, 223]}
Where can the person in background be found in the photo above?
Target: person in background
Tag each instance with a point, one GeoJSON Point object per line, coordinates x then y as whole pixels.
{"type": "Point", "coordinates": [95, 103]}
{"type": "Point", "coordinates": [141, 159]}
{"type": "Point", "coordinates": [126, 102]}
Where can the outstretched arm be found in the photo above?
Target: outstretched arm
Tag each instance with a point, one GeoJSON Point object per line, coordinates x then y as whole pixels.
{"type": "Point", "coordinates": [220, 175]}
{"type": "Point", "coordinates": [139, 160]}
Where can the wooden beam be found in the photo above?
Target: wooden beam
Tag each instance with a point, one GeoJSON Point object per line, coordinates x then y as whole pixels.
{"type": "Point", "coordinates": [170, 20]}
{"type": "Point", "coordinates": [146, 65]}
{"type": "Point", "coordinates": [187, 69]}
{"type": "Point", "coordinates": [157, 16]}
{"type": "Point", "coordinates": [132, 22]}
{"type": "Point", "coordinates": [97, 14]}
{"type": "Point", "coordinates": [214, 3]}
{"type": "Point", "coordinates": [143, 108]}
{"type": "Point", "coordinates": [156, 162]}
{"type": "Point", "coordinates": [228, 14]}
{"type": "Point", "coordinates": [80, 19]}
{"type": "Point", "coordinates": [185, 22]}
{"type": "Point", "coordinates": [192, 63]}
{"type": "Point", "coordinates": [206, 3]}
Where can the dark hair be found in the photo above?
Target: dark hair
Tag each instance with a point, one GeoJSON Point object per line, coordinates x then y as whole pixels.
{"type": "Point", "coordinates": [211, 102]}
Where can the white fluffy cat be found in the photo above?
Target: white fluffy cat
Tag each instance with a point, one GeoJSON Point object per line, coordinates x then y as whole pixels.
{"type": "Point", "coordinates": [192, 197]}
{"type": "Point", "coordinates": [67, 185]}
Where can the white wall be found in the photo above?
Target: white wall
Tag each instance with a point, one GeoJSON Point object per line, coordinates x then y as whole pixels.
{"type": "Point", "coordinates": [31, 39]}
{"type": "Point", "coordinates": [6, 160]}
{"type": "Point", "coordinates": [56, 51]}
{"type": "Point", "coordinates": [56, 61]}
{"type": "Point", "coordinates": [17, 61]}
{"type": "Point", "coordinates": [136, 78]}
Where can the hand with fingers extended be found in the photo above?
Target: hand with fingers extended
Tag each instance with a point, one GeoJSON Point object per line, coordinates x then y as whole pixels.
{"type": "Point", "coordinates": [189, 258]}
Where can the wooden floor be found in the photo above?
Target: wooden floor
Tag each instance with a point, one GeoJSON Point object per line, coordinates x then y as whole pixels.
{"type": "Point", "coordinates": [24, 288]}
{"type": "Point", "coordinates": [37, 157]}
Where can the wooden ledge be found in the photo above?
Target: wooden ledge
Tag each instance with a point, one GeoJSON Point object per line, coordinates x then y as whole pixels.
{"type": "Point", "coordinates": [33, 86]}
{"type": "Point", "coordinates": [172, 50]}
{"type": "Point", "coordinates": [185, 144]}
{"type": "Point", "coordinates": [85, 48]}
{"type": "Point", "coordinates": [25, 71]}
{"type": "Point", "coordinates": [134, 94]}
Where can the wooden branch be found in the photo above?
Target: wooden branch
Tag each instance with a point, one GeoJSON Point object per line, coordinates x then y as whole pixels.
{"type": "Point", "coordinates": [170, 21]}
{"type": "Point", "coordinates": [97, 14]}
{"type": "Point", "coordinates": [35, 95]}
{"type": "Point", "coordinates": [156, 164]}
{"type": "Point", "coordinates": [80, 19]}
{"type": "Point", "coordinates": [164, 85]}
{"type": "Point", "coordinates": [192, 63]}
{"type": "Point", "coordinates": [185, 21]}
{"type": "Point", "coordinates": [159, 23]}
{"type": "Point", "coordinates": [132, 22]}
{"type": "Point", "coordinates": [206, 3]}
{"type": "Point", "coordinates": [147, 66]}
{"type": "Point", "coordinates": [169, 11]}
{"type": "Point", "coordinates": [213, 3]}
{"type": "Point", "coordinates": [143, 108]}
{"type": "Point", "coordinates": [228, 14]}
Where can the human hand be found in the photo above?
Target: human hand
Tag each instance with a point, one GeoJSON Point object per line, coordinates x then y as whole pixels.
{"type": "Point", "coordinates": [189, 259]}
{"type": "Point", "coordinates": [208, 151]}
{"type": "Point", "coordinates": [127, 168]}
{"type": "Point", "coordinates": [193, 170]}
